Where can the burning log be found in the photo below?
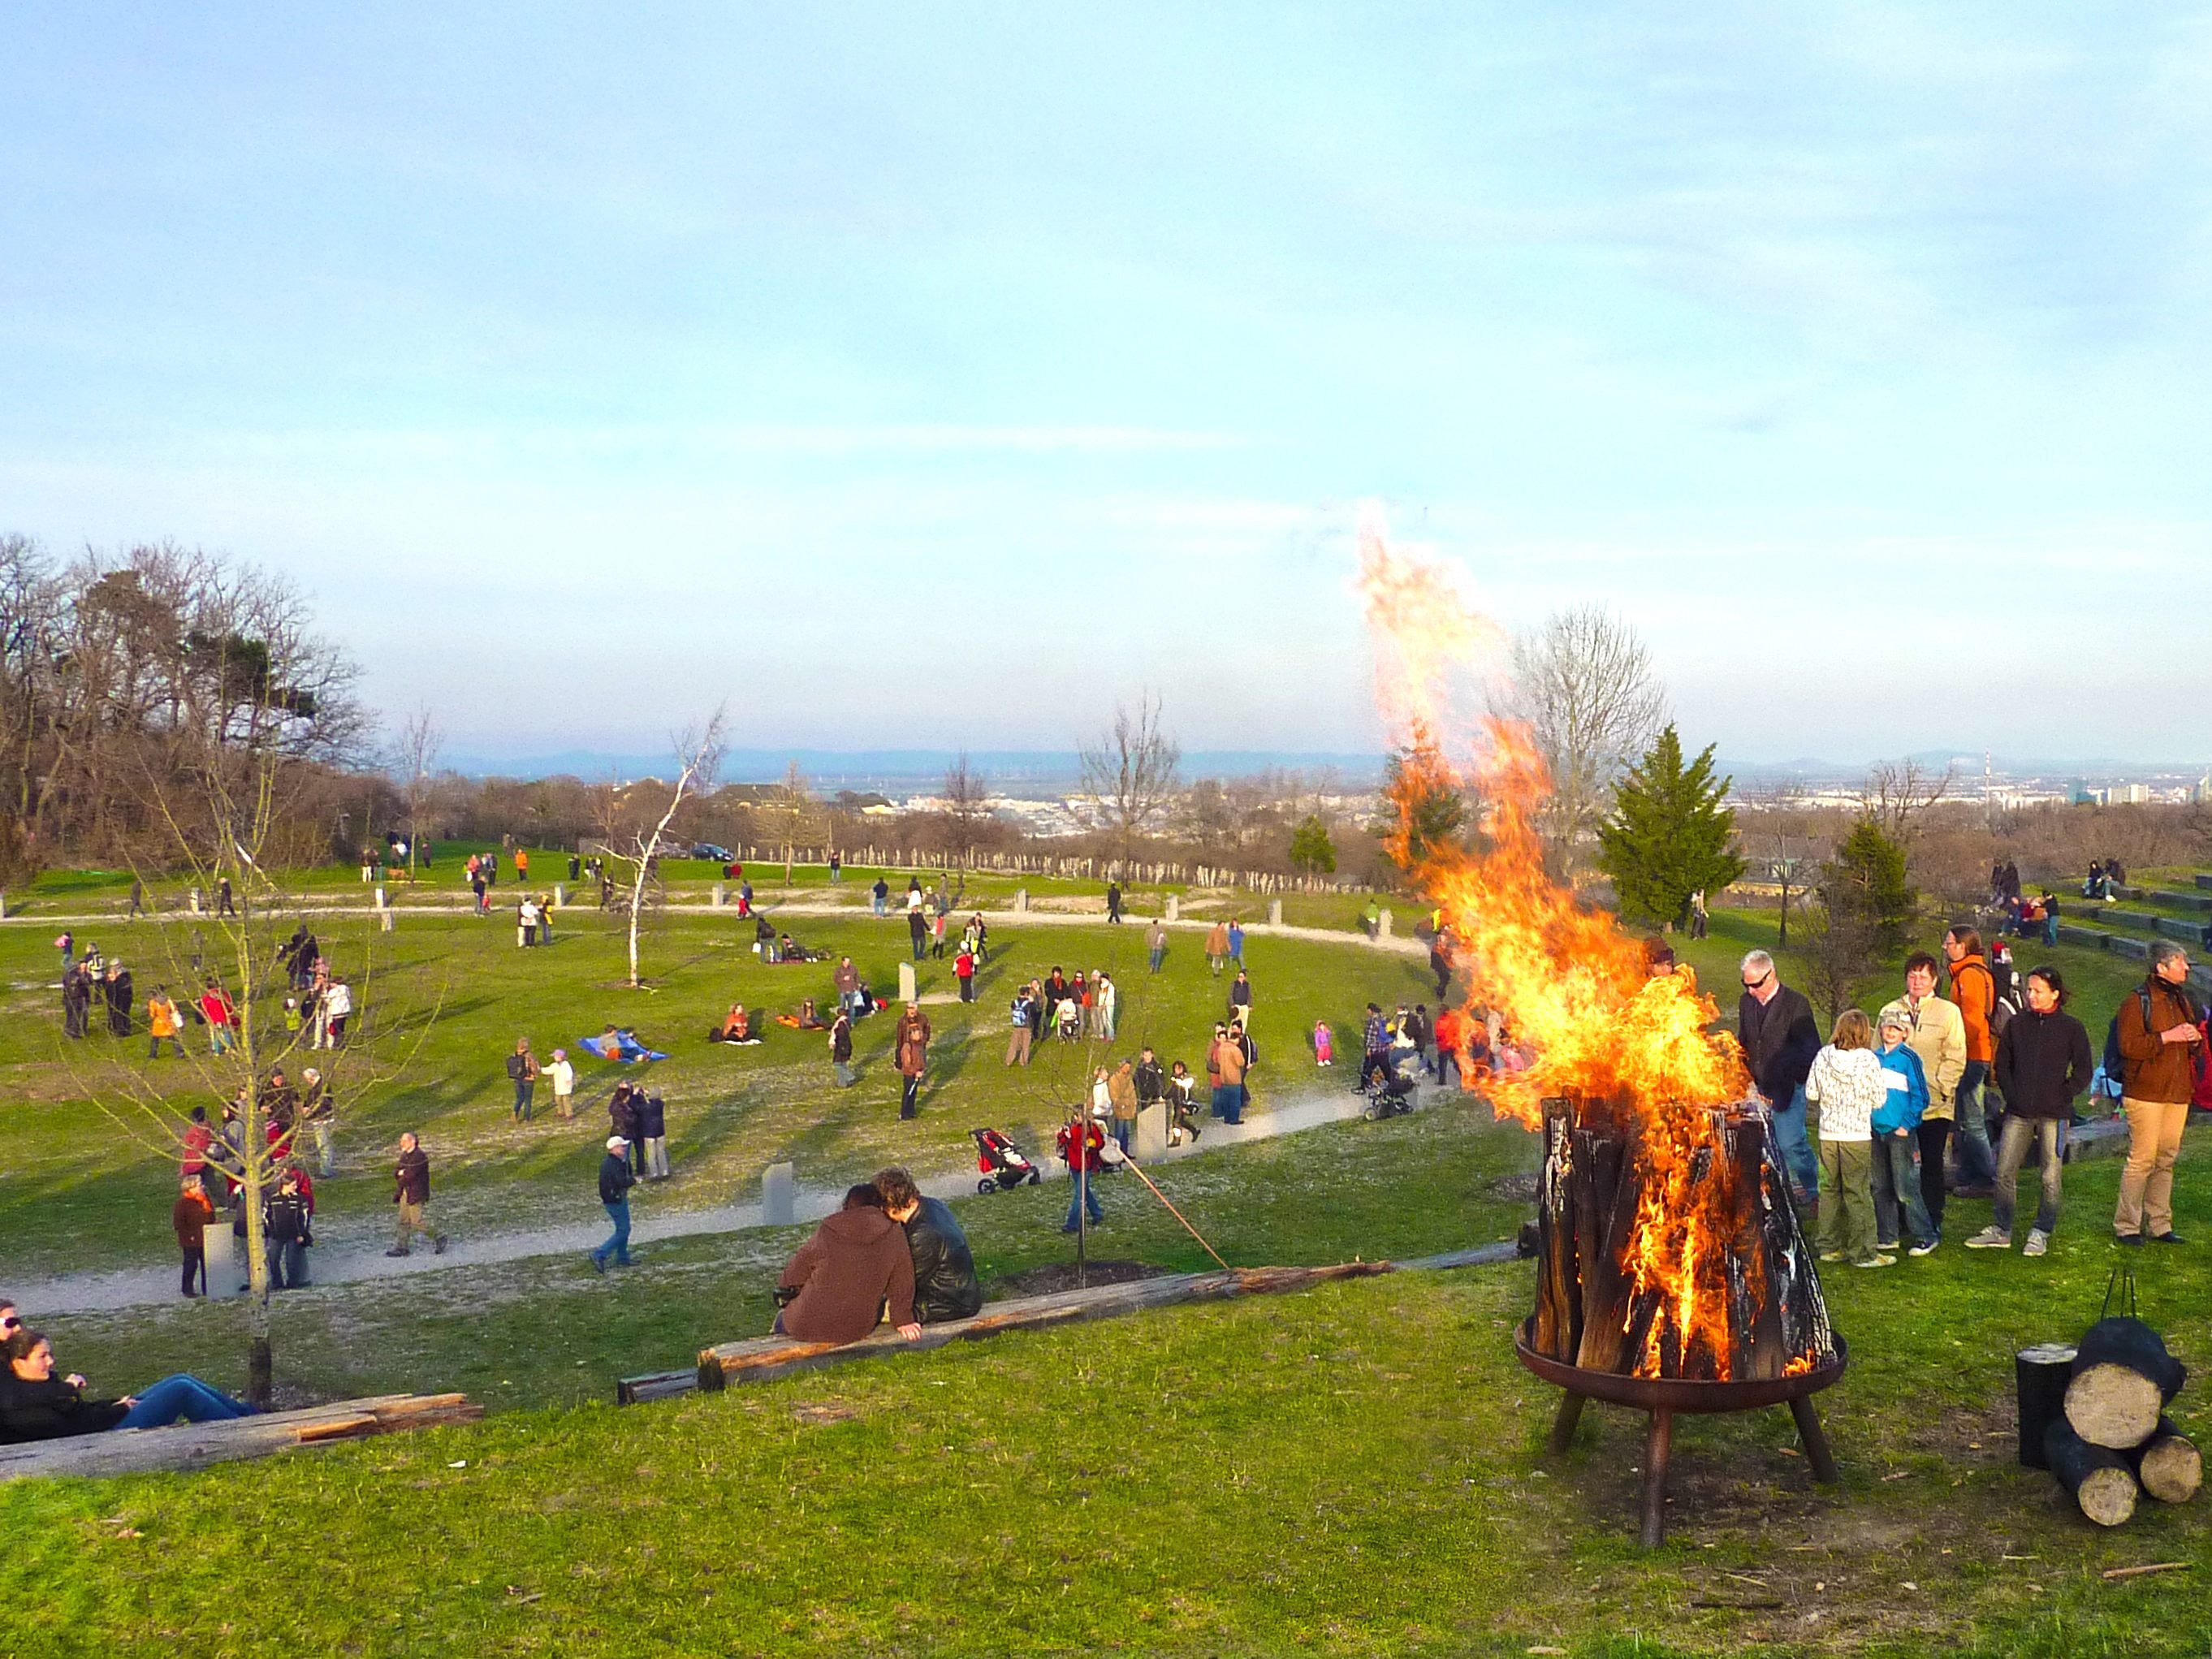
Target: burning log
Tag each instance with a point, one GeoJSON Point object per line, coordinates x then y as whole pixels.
{"type": "Point", "coordinates": [2169, 1465]}
{"type": "Point", "coordinates": [2098, 1479]}
{"type": "Point", "coordinates": [2123, 1379]}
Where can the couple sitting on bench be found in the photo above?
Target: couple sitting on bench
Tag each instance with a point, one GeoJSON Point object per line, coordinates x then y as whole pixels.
{"type": "Point", "coordinates": [889, 1252]}
{"type": "Point", "coordinates": [738, 1026]}
{"type": "Point", "coordinates": [36, 1405]}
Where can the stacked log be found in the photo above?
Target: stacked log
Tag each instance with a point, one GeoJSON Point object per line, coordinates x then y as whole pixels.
{"type": "Point", "coordinates": [1590, 1312]}
{"type": "Point", "coordinates": [2114, 1442]}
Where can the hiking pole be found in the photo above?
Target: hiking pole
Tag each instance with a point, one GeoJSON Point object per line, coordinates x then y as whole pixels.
{"type": "Point", "coordinates": [1133, 1164]}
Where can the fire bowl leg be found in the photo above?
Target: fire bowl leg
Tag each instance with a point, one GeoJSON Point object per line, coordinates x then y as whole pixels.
{"type": "Point", "coordinates": [1816, 1442]}
{"type": "Point", "coordinates": [1656, 1455]}
{"type": "Point", "coordinates": [1563, 1425]}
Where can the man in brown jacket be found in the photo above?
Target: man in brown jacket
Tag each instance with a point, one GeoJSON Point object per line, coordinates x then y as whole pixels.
{"type": "Point", "coordinates": [2159, 1040]}
{"type": "Point", "coordinates": [910, 1046]}
{"type": "Point", "coordinates": [190, 1217]}
{"type": "Point", "coordinates": [857, 1261]}
{"type": "Point", "coordinates": [1229, 1097]}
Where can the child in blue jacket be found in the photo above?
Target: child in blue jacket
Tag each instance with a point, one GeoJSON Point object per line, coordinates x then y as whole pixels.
{"type": "Point", "coordinates": [1897, 1138]}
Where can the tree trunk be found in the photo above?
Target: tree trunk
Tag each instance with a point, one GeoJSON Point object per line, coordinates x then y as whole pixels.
{"type": "Point", "coordinates": [2124, 1379]}
{"type": "Point", "coordinates": [2040, 1377]}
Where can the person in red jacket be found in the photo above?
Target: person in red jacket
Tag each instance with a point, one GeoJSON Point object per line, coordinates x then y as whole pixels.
{"type": "Point", "coordinates": [1079, 1142]}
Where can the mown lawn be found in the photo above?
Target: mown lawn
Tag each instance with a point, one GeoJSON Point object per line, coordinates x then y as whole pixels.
{"type": "Point", "coordinates": [1357, 1470]}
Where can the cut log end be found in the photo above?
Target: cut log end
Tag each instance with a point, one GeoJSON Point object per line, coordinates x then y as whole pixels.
{"type": "Point", "coordinates": [2113, 1405]}
{"type": "Point", "coordinates": [2099, 1480]}
{"type": "Point", "coordinates": [2172, 1469]}
{"type": "Point", "coordinates": [2107, 1497]}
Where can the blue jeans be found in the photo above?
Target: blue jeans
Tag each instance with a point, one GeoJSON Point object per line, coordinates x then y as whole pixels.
{"type": "Point", "coordinates": [2051, 930]}
{"type": "Point", "coordinates": [182, 1399]}
{"type": "Point", "coordinates": [1978, 1164]}
{"type": "Point", "coordinates": [2049, 1135]}
{"type": "Point", "coordinates": [1897, 1188]}
{"type": "Point", "coordinates": [1080, 1191]}
{"type": "Point", "coordinates": [1156, 957]}
{"type": "Point", "coordinates": [618, 1246]}
{"type": "Point", "coordinates": [1122, 1129]}
{"type": "Point", "coordinates": [1797, 1160]}
{"type": "Point", "coordinates": [878, 904]}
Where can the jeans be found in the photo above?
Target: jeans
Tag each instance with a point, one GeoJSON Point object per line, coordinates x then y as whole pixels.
{"type": "Point", "coordinates": [618, 1246]}
{"type": "Point", "coordinates": [878, 903]}
{"type": "Point", "coordinates": [1804, 1171]}
{"type": "Point", "coordinates": [287, 1264]}
{"type": "Point", "coordinates": [656, 1157]}
{"type": "Point", "coordinates": [2048, 1133]}
{"type": "Point", "coordinates": [195, 1268]}
{"type": "Point", "coordinates": [524, 1088]}
{"type": "Point", "coordinates": [910, 1097]}
{"type": "Point", "coordinates": [326, 1151]}
{"type": "Point", "coordinates": [1935, 1137]}
{"type": "Point", "coordinates": [847, 1077]}
{"type": "Point", "coordinates": [2147, 1183]}
{"type": "Point", "coordinates": [182, 1399]}
{"type": "Point", "coordinates": [2051, 930]}
{"type": "Point", "coordinates": [1846, 1224]}
{"type": "Point", "coordinates": [153, 1049]}
{"type": "Point", "coordinates": [218, 1039]}
{"type": "Point", "coordinates": [1228, 1102]}
{"type": "Point", "coordinates": [1978, 1164]}
{"type": "Point", "coordinates": [1122, 1129]}
{"type": "Point", "coordinates": [1448, 1072]}
{"type": "Point", "coordinates": [967, 987]}
{"type": "Point", "coordinates": [1083, 1194]}
{"type": "Point", "coordinates": [1158, 955]}
{"type": "Point", "coordinates": [1897, 1187]}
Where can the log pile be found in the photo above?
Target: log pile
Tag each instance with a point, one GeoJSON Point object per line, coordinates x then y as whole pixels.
{"type": "Point", "coordinates": [2112, 1443]}
{"type": "Point", "coordinates": [1755, 1269]}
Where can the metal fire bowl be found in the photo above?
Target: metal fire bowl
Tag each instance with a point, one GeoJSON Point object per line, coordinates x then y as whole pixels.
{"type": "Point", "coordinates": [1674, 1394]}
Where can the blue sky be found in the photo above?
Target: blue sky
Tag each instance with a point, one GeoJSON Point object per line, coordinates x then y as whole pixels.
{"type": "Point", "coordinates": [924, 376]}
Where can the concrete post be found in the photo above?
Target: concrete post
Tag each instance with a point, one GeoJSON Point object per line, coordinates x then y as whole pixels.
{"type": "Point", "coordinates": [195, 901]}
{"type": "Point", "coordinates": [1175, 907]}
{"type": "Point", "coordinates": [382, 903]}
{"type": "Point", "coordinates": [1382, 929]}
{"type": "Point", "coordinates": [388, 918]}
{"type": "Point", "coordinates": [722, 894]}
{"type": "Point", "coordinates": [560, 896]}
{"type": "Point", "coordinates": [1150, 1143]}
{"type": "Point", "coordinates": [1021, 898]}
{"type": "Point", "coordinates": [778, 1196]}
{"type": "Point", "coordinates": [907, 988]}
{"type": "Point", "coordinates": [1274, 913]}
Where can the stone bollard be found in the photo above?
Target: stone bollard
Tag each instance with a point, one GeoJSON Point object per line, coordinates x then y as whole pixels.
{"type": "Point", "coordinates": [1274, 913]}
{"type": "Point", "coordinates": [560, 896]}
{"type": "Point", "coordinates": [382, 903]}
{"type": "Point", "coordinates": [907, 991]}
{"type": "Point", "coordinates": [387, 918]}
{"type": "Point", "coordinates": [195, 901]}
{"type": "Point", "coordinates": [1382, 928]}
{"type": "Point", "coordinates": [223, 1248]}
{"type": "Point", "coordinates": [1150, 1143]}
{"type": "Point", "coordinates": [1021, 898]}
{"type": "Point", "coordinates": [778, 1196]}
{"type": "Point", "coordinates": [721, 895]}
{"type": "Point", "coordinates": [1174, 907]}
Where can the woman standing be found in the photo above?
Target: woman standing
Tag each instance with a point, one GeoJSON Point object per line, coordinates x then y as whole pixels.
{"type": "Point", "coordinates": [2042, 1066]}
{"type": "Point", "coordinates": [911, 1045]}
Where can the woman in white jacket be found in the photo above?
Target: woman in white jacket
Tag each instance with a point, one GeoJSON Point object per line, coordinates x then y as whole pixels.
{"type": "Point", "coordinates": [1847, 1084]}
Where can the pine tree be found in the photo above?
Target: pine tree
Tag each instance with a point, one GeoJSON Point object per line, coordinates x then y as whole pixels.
{"type": "Point", "coordinates": [1669, 835]}
{"type": "Point", "coordinates": [1311, 850]}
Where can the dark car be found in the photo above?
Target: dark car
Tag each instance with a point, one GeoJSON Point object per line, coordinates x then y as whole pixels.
{"type": "Point", "coordinates": [711, 854]}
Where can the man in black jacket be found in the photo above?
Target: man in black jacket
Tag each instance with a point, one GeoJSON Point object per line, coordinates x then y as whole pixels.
{"type": "Point", "coordinates": [284, 1232]}
{"type": "Point", "coordinates": [1151, 1080]}
{"type": "Point", "coordinates": [1779, 1042]}
{"type": "Point", "coordinates": [614, 1182]}
{"type": "Point", "coordinates": [944, 1283]}
{"type": "Point", "coordinates": [411, 1191]}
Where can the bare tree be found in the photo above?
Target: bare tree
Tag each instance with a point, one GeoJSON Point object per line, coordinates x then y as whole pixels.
{"type": "Point", "coordinates": [1584, 685]}
{"type": "Point", "coordinates": [643, 825]}
{"type": "Point", "coordinates": [967, 807]}
{"type": "Point", "coordinates": [420, 741]}
{"type": "Point", "coordinates": [1129, 773]}
{"type": "Point", "coordinates": [1897, 793]}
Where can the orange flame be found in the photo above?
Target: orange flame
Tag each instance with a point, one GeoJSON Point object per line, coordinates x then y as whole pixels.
{"type": "Point", "coordinates": [1573, 991]}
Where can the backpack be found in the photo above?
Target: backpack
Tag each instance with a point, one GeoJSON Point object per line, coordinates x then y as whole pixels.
{"type": "Point", "coordinates": [2116, 1063]}
{"type": "Point", "coordinates": [2007, 992]}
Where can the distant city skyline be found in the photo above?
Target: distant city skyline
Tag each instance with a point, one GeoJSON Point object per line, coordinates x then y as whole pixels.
{"type": "Point", "coordinates": [923, 379]}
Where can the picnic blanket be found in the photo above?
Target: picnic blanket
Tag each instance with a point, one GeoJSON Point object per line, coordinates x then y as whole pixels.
{"type": "Point", "coordinates": [624, 1046]}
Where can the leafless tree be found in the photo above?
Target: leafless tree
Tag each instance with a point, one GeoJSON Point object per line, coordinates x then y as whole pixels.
{"type": "Point", "coordinates": [1584, 684]}
{"type": "Point", "coordinates": [1129, 773]}
{"type": "Point", "coordinates": [1897, 793]}
{"type": "Point", "coordinates": [420, 741]}
{"type": "Point", "coordinates": [967, 807]}
{"type": "Point", "coordinates": [637, 826]}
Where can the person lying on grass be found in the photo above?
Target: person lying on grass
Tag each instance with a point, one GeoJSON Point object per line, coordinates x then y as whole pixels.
{"type": "Point", "coordinates": [36, 1405]}
{"type": "Point", "coordinates": [836, 1287]}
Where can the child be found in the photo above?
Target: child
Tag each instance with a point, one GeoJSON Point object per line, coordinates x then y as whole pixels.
{"type": "Point", "coordinates": [1324, 1044]}
{"type": "Point", "coordinates": [1847, 1083]}
{"type": "Point", "coordinates": [1897, 1139]}
{"type": "Point", "coordinates": [1182, 1087]}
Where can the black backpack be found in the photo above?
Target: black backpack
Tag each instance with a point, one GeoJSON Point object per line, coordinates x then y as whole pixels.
{"type": "Point", "coordinates": [2007, 994]}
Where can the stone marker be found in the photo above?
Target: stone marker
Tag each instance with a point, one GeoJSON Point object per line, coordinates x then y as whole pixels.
{"type": "Point", "coordinates": [381, 902]}
{"type": "Point", "coordinates": [1174, 907]}
{"type": "Point", "coordinates": [778, 1196]}
{"type": "Point", "coordinates": [1382, 929]}
{"type": "Point", "coordinates": [560, 896]}
{"type": "Point", "coordinates": [1021, 898]}
{"type": "Point", "coordinates": [388, 918]}
{"type": "Point", "coordinates": [195, 901]}
{"type": "Point", "coordinates": [907, 992]}
{"type": "Point", "coordinates": [721, 895]}
{"type": "Point", "coordinates": [1150, 1142]}
{"type": "Point", "coordinates": [1274, 913]}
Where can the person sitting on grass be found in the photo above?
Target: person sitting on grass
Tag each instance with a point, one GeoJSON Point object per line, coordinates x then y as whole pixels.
{"type": "Point", "coordinates": [737, 1026]}
{"type": "Point", "coordinates": [1847, 1083]}
{"type": "Point", "coordinates": [36, 1405]}
{"type": "Point", "coordinates": [837, 1287]}
{"type": "Point", "coordinates": [944, 1282]}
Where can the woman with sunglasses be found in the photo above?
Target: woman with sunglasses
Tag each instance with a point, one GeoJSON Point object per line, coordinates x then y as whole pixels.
{"type": "Point", "coordinates": [36, 1405]}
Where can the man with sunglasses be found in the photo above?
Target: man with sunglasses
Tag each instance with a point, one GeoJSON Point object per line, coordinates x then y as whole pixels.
{"type": "Point", "coordinates": [1779, 1042]}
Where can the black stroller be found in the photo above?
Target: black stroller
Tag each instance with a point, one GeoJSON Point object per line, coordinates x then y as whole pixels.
{"type": "Point", "coordinates": [1001, 1162]}
{"type": "Point", "coordinates": [1389, 1089]}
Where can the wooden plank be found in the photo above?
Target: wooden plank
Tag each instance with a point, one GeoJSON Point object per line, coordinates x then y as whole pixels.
{"type": "Point", "coordinates": [194, 1445]}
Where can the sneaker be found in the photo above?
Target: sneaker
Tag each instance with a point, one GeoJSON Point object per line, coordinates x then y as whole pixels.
{"type": "Point", "coordinates": [598, 1266]}
{"type": "Point", "coordinates": [2038, 1242]}
{"type": "Point", "coordinates": [1875, 1262]}
{"type": "Point", "coordinates": [1832, 1256]}
{"type": "Point", "coordinates": [2169, 1237]}
{"type": "Point", "coordinates": [1926, 1246]}
{"type": "Point", "coordinates": [1989, 1239]}
{"type": "Point", "coordinates": [1883, 1245]}
{"type": "Point", "coordinates": [395, 1250]}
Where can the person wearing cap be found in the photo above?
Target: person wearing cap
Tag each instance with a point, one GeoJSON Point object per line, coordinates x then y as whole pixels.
{"type": "Point", "coordinates": [1900, 1207]}
{"type": "Point", "coordinates": [614, 1182]}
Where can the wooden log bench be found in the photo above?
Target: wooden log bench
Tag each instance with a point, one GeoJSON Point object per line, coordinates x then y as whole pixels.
{"type": "Point", "coordinates": [183, 1446]}
{"type": "Point", "coordinates": [758, 1359]}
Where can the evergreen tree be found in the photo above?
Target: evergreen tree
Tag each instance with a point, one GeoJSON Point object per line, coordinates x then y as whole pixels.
{"type": "Point", "coordinates": [1435, 815]}
{"type": "Point", "coordinates": [1669, 835]}
{"type": "Point", "coordinates": [1311, 850]}
{"type": "Point", "coordinates": [1865, 880]}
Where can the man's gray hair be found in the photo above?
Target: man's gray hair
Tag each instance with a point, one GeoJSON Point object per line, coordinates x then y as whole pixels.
{"type": "Point", "coordinates": [2163, 951]}
{"type": "Point", "coordinates": [1760, 960]}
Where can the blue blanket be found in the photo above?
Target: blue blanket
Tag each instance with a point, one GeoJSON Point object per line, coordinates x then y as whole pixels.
{"type": "Point", "coordinates": [623, 1045]}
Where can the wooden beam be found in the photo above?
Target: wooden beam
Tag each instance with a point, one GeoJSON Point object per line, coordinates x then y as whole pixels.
{"type": "Point", "coordinates": [195, 1445]}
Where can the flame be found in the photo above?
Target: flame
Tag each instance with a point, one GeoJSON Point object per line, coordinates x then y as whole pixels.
{"type": "Point", "coordinates": [1573, 991]}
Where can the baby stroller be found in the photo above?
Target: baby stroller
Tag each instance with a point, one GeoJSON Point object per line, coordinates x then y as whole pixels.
{"type": "Point", "coordinates": [1391, 1093]}
{"type": "Point", "coordinates": [1001, 1162]}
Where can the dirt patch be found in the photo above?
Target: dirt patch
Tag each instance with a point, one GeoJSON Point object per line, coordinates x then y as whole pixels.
{"type": "Point", "coordinates": [1515, 1188]}
{"type": "Point", "coordinates": [1061, 1276]}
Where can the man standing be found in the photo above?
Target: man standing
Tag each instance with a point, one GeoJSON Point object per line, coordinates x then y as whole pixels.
{"type": "Point", "coordinates": [1974, 989]}
{"type": "Point", "coordinates": [1019, 1038]}
{"type": "Point", "coordinates": [411, 1191]}
{"type": "Point", "coordinates": [1229, 1062]}
{"type": "Point", "coordinates": [1217, 946]}
{"type": "Point", "coordinates": [846, 979]}
{"type": "Point", "coordinates": [1080, 1141]}
{"type": "Point", "coordinates": [614, 1182]}
{"type": "Point", "coordinates": [1114, 900]}
{"type": "Point", "coordinates": [1938, 1035]}
{"type": "Point", "coordinates": [1121, 1103]}
{"type": "Point", "coordinates": [911, 1045]}
{"type": "Point", "coordinates": [1780, 1041]}
{"type": "Point", "coordinates": [223, 906]}
{"type": "Point", "coordinates": [316, 1110]}
{"type": "Point", "coordinates": [2159, 1037]}
{"type": "Point", "coordinates": [190, 1217]}
{"type": "Point", "coordinates": [944, 1282]}
{"type": "Point", "coordinates": [1151, 1081]}
{"type": "Point", "coordinates": [917, 925]}
{"type": "Point", "coordinates": [880, 894]}
{"type": "Point", "coordinates": [653, 1134]}
{"type": "Point", "coordinates": [1240, 999]}
{"type": "Point", "coordinates": [522, 1071]}
{"type": "Point", "coordinates": [1156, 944]}
{"type": "Point", "coordinates": [1374, 1046]}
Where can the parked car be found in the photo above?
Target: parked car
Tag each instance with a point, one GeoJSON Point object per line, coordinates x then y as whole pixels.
{"type": "Point", "coordinates": [711, 854]}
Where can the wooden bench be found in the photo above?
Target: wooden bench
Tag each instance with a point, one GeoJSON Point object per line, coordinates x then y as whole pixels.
{"type": "Point", "coordinates": [759, 1358]}
{"type": "Point", "coordinates": [195, 1445]}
